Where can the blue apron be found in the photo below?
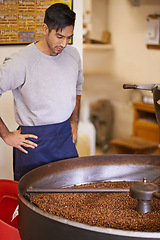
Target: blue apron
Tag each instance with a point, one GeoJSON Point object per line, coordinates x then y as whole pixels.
{"type": "Point", "coordinates": [54, 143]}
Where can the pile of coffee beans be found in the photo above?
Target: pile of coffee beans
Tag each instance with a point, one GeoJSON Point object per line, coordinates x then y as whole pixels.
{"type": "Point", "coordinates": [109, 210]}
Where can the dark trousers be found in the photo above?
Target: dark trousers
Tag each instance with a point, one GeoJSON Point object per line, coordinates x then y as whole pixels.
{"type": "Point", "coordinates": [54, 143]}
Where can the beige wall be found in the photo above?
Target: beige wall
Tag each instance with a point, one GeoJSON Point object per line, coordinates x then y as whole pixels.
{"type": "Point", "coordinates": [6, 101]}
{"type": "Point", "coordinates": [129, 61]}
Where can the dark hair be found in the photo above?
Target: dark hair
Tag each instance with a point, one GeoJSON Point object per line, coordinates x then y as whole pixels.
{"type": "Point", "coordinates": [59, 16]}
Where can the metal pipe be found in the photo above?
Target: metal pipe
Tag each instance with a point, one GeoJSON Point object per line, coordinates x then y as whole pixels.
{"type": "Point", "coordinates": [156, 194]}
{"type": "Point", "coordinates": [157, 180]}
{"type": "Point", "coordinates": [77, 190]}
{"type": "Point", "coordinates": [148, 87]}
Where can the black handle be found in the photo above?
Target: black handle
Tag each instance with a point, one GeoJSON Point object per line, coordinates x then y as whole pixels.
{"type": "Point", "coordinates": [129, 86]}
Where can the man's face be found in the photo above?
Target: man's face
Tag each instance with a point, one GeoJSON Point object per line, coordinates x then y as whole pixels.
{"type": "Point", "coordinates": [57, 41]}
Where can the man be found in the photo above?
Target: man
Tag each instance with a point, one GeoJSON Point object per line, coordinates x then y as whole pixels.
{"type": "Point", "coordinates": [46, 80]}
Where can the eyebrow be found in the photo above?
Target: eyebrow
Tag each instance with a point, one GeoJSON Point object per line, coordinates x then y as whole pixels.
{"type": "Point", "coordinates": [58, 34]}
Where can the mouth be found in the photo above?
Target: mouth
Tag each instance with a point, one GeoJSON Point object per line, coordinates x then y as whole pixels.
{"type": "Point", "coordinates": [59, 49]}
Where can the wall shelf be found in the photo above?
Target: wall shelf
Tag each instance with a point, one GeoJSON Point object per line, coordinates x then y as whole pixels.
{"type": "Point", "coordinates": [144, 124]}
{"type": "Point", "coordinates": [99, 73]}
{"type": "Point", "coordinates": [95, 58]}
{"type": "Point", "coordinates": [88, 46]}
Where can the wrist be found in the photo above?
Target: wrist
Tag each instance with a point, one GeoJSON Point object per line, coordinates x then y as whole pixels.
{"type": "Point", "coordinates": [4, 131]}
{"type": "Point", "coordinates": [5, 135]}
{"type": "Point", "coordinates": [73, 120]}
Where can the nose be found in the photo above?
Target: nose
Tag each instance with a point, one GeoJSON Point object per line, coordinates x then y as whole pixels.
{"type": "Point", "coordinates": [63, 42]}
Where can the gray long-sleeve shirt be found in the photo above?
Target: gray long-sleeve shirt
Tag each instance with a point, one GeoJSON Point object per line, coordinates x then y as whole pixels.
{"type": "Point", "coordinates": [44, 87]}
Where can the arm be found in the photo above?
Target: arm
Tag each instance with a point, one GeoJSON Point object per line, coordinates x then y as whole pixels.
{"type": "Point", "coordinates": [12, 73]}
{"type": "Point", "coordinates": [15, 138]}
{"type": "Point", "coordinates": [74, 118]}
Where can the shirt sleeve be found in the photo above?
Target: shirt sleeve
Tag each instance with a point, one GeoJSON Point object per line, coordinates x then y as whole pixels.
{"type": "Point", "coordinates": [80, 79]}
{"type": "Point", "coordinates": [11, 74]}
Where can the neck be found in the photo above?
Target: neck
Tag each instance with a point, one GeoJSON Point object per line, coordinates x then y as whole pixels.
{"type": "Point", "coordinates": [43, 47]}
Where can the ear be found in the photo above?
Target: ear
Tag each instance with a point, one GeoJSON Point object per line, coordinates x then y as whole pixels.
{"type": "Point", "coordinates": [45, 29]}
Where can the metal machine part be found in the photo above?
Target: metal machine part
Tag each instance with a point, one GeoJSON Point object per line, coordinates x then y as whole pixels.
{"type": "Point", "coordinates": [155, 88]}
{"type": "Point", "coordinates": [156, 98]}
{"type": "Point", "coordinates": [35, 223]}
{"type": "Point", "coordinates": [142, 191]}
{"type": "Point", "coordinates": [141, 87]}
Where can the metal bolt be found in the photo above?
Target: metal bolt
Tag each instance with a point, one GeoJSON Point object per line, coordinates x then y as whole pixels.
{"type": "Point", "coordinates": [144, 179]}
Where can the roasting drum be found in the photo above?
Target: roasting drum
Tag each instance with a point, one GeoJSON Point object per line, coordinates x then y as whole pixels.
{"type": "Point", "coordinates": [36, 224]}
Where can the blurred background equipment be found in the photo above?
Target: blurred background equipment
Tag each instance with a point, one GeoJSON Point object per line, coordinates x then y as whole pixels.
{"type": "Point", "coordinates": [101, 115]}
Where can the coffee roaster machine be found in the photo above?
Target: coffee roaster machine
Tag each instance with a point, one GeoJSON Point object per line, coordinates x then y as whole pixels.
{"type": "Point", "coordinates": [35, 223]}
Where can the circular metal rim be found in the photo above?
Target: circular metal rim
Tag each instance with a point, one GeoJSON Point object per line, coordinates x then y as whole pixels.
{"type": "Point", "coordinates": [112, 231]}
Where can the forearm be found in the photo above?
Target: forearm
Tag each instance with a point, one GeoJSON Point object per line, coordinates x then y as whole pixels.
{"type": "Point", "coordinates": [3, 129]}
{"type": "Point", "coordinates": [74, 116]}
